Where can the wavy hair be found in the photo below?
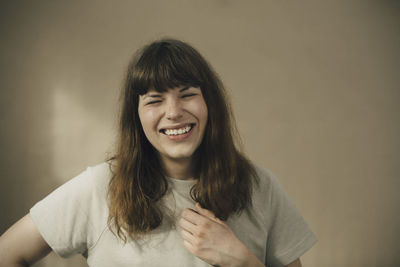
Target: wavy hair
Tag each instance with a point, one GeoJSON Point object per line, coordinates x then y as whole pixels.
{"type": "Point", "coordinates": [224, 175]}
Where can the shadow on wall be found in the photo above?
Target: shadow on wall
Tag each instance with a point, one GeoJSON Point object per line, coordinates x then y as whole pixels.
{"type": "Point", "coordinates": [26, 162]}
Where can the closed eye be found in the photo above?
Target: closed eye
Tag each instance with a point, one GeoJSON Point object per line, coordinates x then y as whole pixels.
{"type": "Point", "coordinates": [153, 102]}
{"type": "Point", "coordinates": [188, 95]}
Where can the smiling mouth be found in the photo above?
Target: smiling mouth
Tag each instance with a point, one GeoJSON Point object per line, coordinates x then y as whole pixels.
{"type": "Point", "coordinates": [178, 131]}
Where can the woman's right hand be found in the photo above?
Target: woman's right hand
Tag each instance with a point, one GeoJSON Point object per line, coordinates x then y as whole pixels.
{"type": "Point", "coordinates": [22, 244]}
{"type": "Point", "coordinates": [213, 241]}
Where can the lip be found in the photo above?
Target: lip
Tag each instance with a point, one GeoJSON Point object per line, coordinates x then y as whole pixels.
{"type": "Point", "coordinates": [177, 126]}
{"type": "Point", "coordinates": [180, 137]}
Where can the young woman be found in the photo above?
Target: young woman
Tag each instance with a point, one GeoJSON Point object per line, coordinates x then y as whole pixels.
{"type": "Point", "coordinates": [178, 192]}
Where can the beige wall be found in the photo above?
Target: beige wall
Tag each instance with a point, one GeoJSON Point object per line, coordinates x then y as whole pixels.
{"type": "Point", "coordinates": [314, 85]}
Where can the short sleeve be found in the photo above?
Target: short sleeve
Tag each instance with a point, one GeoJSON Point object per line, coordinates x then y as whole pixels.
{"type": "Point", "coordinates": [289, 236]}
{"type": "Point", "coordinates": [62, 217]}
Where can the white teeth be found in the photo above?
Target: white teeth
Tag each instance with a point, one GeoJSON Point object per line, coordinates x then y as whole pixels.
{"type": "Point", "coordinates": [178, 131]}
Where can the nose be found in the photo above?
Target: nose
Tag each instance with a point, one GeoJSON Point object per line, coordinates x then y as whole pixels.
{"type": "Point", "coordinates": [173, 109]}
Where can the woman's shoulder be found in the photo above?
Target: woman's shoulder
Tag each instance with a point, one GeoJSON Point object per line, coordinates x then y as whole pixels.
{"type": "Point", "coordinates": [93, 177]}
{"type": "Point", "coordinates": [267, 186]}
{"type": "Point", "coordinates": [88, 184]}
{"type": "Point", "coordinates": [101, 172]}
{"type": "Point", "coordinates": [264, 177]}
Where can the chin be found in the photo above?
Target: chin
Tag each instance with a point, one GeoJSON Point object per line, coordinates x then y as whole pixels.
{"type": "Point", "coordinates": [180, 155]}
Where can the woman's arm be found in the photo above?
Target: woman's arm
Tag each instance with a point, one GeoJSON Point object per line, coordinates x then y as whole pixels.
{"type": "Point", "coordinates": [22, 244]}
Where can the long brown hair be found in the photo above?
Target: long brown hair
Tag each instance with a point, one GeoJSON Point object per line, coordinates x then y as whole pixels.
{"type": "Point", "coordinates": [224, 175]}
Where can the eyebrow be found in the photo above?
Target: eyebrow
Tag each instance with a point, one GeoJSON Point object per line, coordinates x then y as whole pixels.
{"type": "Point", "coordinates": [184, 89]}
{"type": "Point", "coordinates": [152, 95]}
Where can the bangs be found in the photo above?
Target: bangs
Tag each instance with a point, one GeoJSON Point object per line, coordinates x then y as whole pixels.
{"type": "Point", "coordinates": [166, 65]}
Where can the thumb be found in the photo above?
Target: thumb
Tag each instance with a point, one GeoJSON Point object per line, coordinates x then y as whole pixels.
{"type": "Point", "coordinates": [207, 213]}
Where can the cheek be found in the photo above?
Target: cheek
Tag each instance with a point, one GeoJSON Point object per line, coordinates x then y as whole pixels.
{"type": "Point", "coordinates": [147, 120]}
{"type": "Point", "coordinates": [203, 112]}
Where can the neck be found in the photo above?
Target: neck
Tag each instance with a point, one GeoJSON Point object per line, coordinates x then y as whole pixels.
{"type": "Point", "coordinates": [181, 169]}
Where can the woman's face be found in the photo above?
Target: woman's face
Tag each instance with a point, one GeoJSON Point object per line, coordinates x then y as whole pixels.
{"type": "Point", "coordinates": [174, 121]}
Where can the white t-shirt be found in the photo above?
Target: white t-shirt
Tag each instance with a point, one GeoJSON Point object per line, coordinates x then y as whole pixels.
{"type": "Point", "coordinates": [73, 219]}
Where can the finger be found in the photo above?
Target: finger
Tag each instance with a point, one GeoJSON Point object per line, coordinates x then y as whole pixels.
{"type": "Point", "coordinates": [207, 213]}
{"type": "Point", "coordinates": [193, 216]}
{"type": "Point", "coordinates": [188, 246]}
{"type": "Point", "coordinates": [187, 236]}
{"type": "Point", "coordinates": [187, 226]}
